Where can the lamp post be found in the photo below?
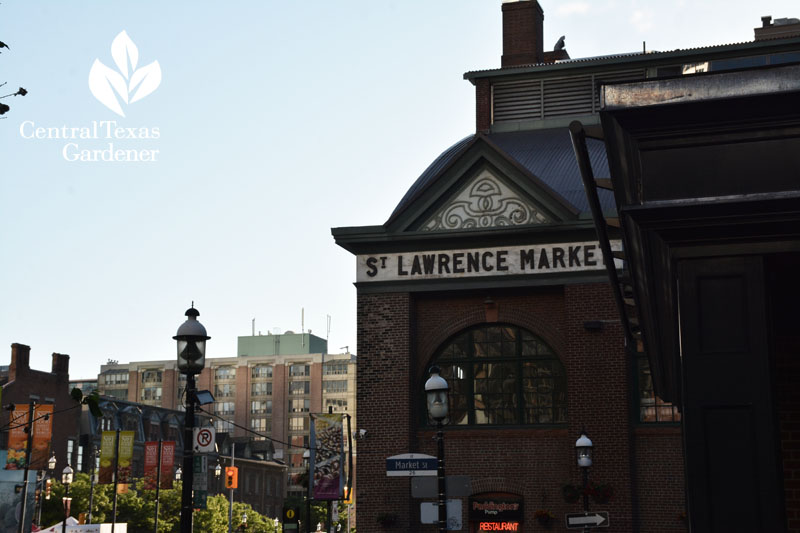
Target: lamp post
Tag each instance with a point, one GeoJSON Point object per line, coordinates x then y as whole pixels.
{"type": "Point", "coordinates": [66, 480]}
{"type": "Point", "coordinates": [217, 474]}
{"type": "Point", "coordinates": [178, 474]}
{"type": "Point", "coordinates": [436, 389]}
{"type": "Point", "coordinates": [244, 521]}
{"type": "Point", "coordinates": [51, 465]}
{"type": "Point", "coordinates": [91, 481]}
{"type": "Point", "coordinates": [583, 449]}
{"type": "Point", "coordinates": [191, 337]}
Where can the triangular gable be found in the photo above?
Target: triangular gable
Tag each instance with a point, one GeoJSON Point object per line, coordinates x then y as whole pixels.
{"type": "Point", "coordinates": [478, 187]}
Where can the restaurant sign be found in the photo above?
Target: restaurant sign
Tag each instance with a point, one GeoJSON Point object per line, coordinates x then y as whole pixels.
{"type": "Point", "coordinates": [481, 262]}
{"type": "Point", "coordinates": [495, 510]}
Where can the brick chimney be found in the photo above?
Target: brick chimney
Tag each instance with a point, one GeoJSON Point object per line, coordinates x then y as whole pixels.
{"type": "Point", "coordinates": [61, 364]}
{"type": "Point", "coordinates": [20, 360]}
{"type": "Point", "coordinates": [523, 40]}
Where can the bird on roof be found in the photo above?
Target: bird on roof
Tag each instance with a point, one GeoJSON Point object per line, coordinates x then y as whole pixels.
{"type": "Point", "coordinates": [559, 44]}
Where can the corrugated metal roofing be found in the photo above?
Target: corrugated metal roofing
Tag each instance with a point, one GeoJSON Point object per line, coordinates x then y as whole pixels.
{"type": "Point", "coordinates": [547, 154]}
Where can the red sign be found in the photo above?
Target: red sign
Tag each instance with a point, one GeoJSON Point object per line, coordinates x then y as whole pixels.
{"type": "Point", "coordinates": [151, 464]}
{"type": "Point", "coordinates": [498, 526]}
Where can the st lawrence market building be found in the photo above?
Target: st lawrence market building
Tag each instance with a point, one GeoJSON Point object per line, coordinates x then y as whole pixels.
{"type": "Point", "coordinates": [490, 268]}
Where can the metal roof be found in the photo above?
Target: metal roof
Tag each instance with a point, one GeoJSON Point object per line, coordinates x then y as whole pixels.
{"type": "Point", "coordinates": [545, 153]}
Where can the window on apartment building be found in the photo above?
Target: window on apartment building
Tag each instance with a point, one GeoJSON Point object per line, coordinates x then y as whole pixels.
{"type": "Point", "coordinates": [299, 405]}
{"type": "Point", "coordinates": [224, 408]}
{"type": "Point", "coordinates": [260, 425]}
{"type": "Point", "coordinates": [299, 370]}
{"type": "Point", "coordinates": [261, 407]}
{"type": "Point", "coordinates": [225, 390]}
{"type": "Point", "coordinates": [151, 376]}
{"type": "Point", "coordinates": [298, 423]}
{"type": "Point", "coordinates": [336, 368]}
{"type": "Point", "coordinates": [79, 461]}
{"type": "Point", "coordinates": [334, 386]}
{"type": "Point", "coordinates": [116, 378]}
{"type": "Point", "coordinates": [299, 387]}
{"type": "Point", "coordinates": [336, 403]}
{"type": "Point", "coordinates": [151, 394]}
{"type": "Point", "coordinates": [502, 375]}
{"type": "Point", "coordinates": [652, 409]}
{"type": "Point", "coordinates": [261, 372]}
{"type": "Point", "coordinates": [223, 426]}
{"type": "Point", "coordinates": [261, 389]}
{"type": "Point", "coordinates": [70, 449]}
{"type": "Point", "coordinates": [224, 373]}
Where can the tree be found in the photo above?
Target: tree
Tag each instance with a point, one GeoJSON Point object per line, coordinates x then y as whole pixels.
{"type": "Point", "coordinates": [20, 92]}
{"type": "Point", "coordinates": [136, 507]}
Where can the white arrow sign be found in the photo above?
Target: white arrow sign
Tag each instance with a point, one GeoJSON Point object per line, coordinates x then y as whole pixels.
{"type": "Point", "coordinates": [577, 521]}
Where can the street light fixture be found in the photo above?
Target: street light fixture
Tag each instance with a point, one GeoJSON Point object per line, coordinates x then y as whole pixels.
{"type": "Point", "coordinates": [191, 337]}
{"type": "Point", "coordinates": [436, 389]}
{"type": "Point", "coordinates": [583, 450]}
{"type": "Point", "coordinates": [66, 480]}
{"type": "Point", "coordinates": [178, 474]}
{"type": "Point", "coordinates": [51, 463]}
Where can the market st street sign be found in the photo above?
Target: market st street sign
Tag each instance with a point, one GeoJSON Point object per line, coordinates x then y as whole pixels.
{"type": "Point", "coordinates": [411, 464]}
{"type": "Point", "coordinates": [584, 520]}
{"type": "Point", "coordinates": [482, 262]}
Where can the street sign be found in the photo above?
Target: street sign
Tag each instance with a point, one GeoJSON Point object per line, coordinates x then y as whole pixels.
{"type": "Point", "coordinates": [428, 487]}
{"type": "Point", "coordinates": [411, 464]}
{"type": "Point", "coordinates": [199, 498]}
{"type": "Point", "coordinates": [204, 439]}
{"type": "Point", "coordinates": [584, 520]}
{"type": "Point", "coordinates": [429, 514]}
{"type": "Point", "coordinates": [200, 468]}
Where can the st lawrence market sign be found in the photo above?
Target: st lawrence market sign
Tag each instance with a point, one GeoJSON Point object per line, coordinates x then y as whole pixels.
{"type": "Point", "coordinates": [481, 262]}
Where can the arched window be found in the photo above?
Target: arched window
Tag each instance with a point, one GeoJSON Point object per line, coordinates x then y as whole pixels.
{"type": "Point", "coordinates": [502, 375]}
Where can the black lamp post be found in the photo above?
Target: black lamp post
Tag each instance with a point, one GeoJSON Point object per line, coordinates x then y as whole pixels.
{"type": "Point", "coordinates": [51, 465]}
{"type": "Point", "coordinates": [583, 449]}
{"type": "Point", "coordinates": [66, 480]}
{"type": "Point", "coordinates": [436, 389]}
{"type": "Point", "coordinates": [191, 337]}
{"type": "Point", "coordinates": [217, 474]}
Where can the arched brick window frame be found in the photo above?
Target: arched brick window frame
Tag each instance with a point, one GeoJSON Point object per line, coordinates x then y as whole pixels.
{"type": "Point", "coordinates": [501, 374]}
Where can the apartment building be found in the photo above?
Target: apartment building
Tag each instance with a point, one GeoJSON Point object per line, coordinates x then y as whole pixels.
{"type": "Point", "coordinates": [266, 391]}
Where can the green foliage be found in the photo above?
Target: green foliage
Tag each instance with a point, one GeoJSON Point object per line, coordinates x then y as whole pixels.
{"type": "Point", "coordinates": [137, 509]}
{"type": "Point", "coordinates": [92, 400]}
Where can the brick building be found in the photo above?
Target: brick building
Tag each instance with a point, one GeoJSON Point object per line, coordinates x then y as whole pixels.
{"type": "Point", "coordinates": [268, 390]}
{"type": "Point", "coordinates": [491, 268]}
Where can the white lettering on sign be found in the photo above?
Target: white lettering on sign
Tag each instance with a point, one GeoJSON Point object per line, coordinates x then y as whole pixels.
{"type": "Point", "coordinates": [478, 262]}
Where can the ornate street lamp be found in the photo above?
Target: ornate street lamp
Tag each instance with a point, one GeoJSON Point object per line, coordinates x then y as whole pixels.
{"type": "Point", "coordinates": [191, 337]}
{"type": "Point", "coordinates": [436, 389]}
{"type": "Point", "coordinates": [583, 449]}
{"type": "Point", "coordinates": [178, 473]}
{"type": "Point", "coordinates": [66, 480]}
{"type": "Point", "coordinates": [217, 474]}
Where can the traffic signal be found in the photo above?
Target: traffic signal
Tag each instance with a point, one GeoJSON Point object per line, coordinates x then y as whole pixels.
{"type": "Point", "coordinates": [48, 486]}
{"type": "Point", "coordinates": [231, 477]}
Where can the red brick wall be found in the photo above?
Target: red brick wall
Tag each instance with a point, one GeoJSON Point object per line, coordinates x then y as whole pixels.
{"type": "Point", "coordinates": [659, 479]}
{"type": "Point", "coordinates": [787, 377]}
{"type": "Point", "coordinates": [483, 105]}
{"type": "Point", "coordinates": [383, 398]}
{"type": "Point", "coordinates": [522, 33]}
{"type": "Point", "coordinates": [398, 335]}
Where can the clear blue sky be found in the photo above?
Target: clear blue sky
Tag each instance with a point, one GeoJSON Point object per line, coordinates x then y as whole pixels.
{"type": "Point", "coordinates": [277, 121]}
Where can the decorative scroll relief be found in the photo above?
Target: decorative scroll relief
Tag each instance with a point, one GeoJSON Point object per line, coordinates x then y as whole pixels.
{"type": "Point", "coordinates": [484, 203]}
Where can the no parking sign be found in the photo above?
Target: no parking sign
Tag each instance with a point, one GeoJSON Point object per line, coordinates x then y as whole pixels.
{"type": "Point", "coordinates": [204, 439]}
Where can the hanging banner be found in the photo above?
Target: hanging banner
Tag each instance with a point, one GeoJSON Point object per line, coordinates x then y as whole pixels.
{"type": "Point", "coordinates": [42, 435]}
{"type": "Point", "coordinates": [108, 445]}
{"type": "Point", "coordinates": [150, 465]}
{"type": "Point", "coordinates": [17, 438]}
{"type": "Point", "coordinates": [125, 468]}
{"type": "Point", "coordinates": [327, 456]}
{"type": "Point", "coordinates": [167, 463]}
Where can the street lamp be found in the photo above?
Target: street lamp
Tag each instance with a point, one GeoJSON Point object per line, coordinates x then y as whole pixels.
{"type": "Point", "coordinates": [191, 337]}
{"type": "Point", "coordinates": [51, 465]}
{"type": "Point", "coordinates": [244, 521]}
{"type": "Point", "coordinates": [436, 389]}
{"type": "Point", "coordinates": [583, 449]}
{"type": "Point", "coordinates": [217, 474]}
{"type": "Point", "coordinates": [66, 480]}
{"type": "Point", "coordinates": [178, 473]}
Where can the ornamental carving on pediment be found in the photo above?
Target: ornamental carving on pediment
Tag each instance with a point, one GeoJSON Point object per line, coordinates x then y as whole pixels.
{"type": "Point", "coordinates": [485, 203]}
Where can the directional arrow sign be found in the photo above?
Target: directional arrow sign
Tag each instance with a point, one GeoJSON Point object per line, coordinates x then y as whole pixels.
{"type": "Point", "coordinates": [583, 520]}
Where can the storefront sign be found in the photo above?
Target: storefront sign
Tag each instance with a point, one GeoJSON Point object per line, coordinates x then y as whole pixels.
{"type": "Point", "coordinates": [499, 526]}
{"type": "Point", "coordinates": [495, 510]}
{"type": "Point", "coordinates": [479, 262]}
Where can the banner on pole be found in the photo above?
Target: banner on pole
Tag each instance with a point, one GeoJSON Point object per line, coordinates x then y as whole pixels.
{"type": "Point", "coordinates": [108, 444]}
{"type": "Point", "coordinates": [167, 462]}
{"type": "Point", "coordinates": [327, 456]}
{"type": "Point", "coordinates": [42, 435]}
{"type": "Point", "coordinates": [151, 465]}
{"type": "Point", "coordinates": [125, 466]}
{"type": "Point", "coordinates": [17, 438]}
